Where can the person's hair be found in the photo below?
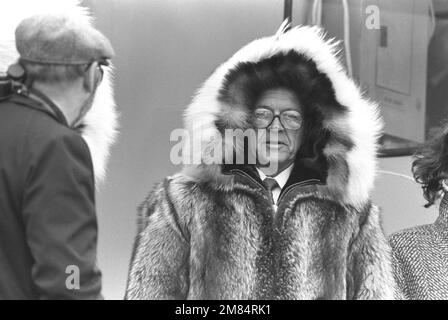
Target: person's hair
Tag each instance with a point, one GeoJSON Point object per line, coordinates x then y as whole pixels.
{"type": "Point", "coordinates": [53, 73]}
{"type": "Point", "coordinates": [430, 165]}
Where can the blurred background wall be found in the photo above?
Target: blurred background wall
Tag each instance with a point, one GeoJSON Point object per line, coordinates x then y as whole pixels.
{"type": "Point", "coordinates": [165, 49]}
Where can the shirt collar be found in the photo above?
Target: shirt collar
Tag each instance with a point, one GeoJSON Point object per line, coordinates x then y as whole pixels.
{"type": "Point", "coordinates": [281, 178]}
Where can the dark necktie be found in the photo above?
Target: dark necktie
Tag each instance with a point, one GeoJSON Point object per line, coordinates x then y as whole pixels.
{"type": "Point", "coordinates": [270, 185]}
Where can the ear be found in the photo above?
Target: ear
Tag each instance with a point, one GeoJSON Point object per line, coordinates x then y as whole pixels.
{"type": "Point", "coordinates": [90, 77]}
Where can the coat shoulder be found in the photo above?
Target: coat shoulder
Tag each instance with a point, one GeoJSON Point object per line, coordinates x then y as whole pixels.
{"type": "Point", "coordinates": [34, 126]}
{"type": "Point", "coordinates": [34, 138]}
{"type": "Point", "coordinates": [174, 194]}
{"type": "Point", "coordinates": [171, 188]}
{"type": "Point", "coordinates": [409, 240]}
{"type": "Point", "coordinates": [414, 234]}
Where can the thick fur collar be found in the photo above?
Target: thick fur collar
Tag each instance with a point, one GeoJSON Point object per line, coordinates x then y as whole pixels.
{"type": "Point", "coordinates": [351, 122]}
{"type": "Point", "coordinates": [100, 124]}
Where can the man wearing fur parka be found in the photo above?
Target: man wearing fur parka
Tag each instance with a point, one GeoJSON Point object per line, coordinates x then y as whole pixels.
{"type": "Point", "coordinates": [219, 231]}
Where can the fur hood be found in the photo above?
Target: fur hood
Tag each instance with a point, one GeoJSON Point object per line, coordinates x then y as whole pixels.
{"type": "Point", "coordinates": [302, 60]}
{"type": "Point", "coordinates": [100, 124]}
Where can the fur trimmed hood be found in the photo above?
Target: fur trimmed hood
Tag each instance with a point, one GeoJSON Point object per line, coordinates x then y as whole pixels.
{"type": "Point", "coordinates": [302, 60]}
{"type": "Point", "coordinates": [99, 128]}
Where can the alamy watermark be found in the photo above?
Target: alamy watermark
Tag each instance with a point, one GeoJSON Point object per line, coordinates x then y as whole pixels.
{"type": "Point", "coordinates": [373, 17]}
{"type": "Point", "coordinates": [232, 146]}
{"type": "Point", "coordinates": [72, 282]}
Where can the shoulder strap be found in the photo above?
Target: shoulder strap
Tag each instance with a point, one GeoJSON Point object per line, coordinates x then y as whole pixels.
{"type": "Point", "coordinates": [58, 113]}
{"type": "Point", "coordinates": [31, 103]}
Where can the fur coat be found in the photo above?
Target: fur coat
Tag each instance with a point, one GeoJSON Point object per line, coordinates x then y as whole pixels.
{"type": "Point", "coordinates": [210, 232]}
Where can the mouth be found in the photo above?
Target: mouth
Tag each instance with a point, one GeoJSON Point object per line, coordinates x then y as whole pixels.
{"type": "Point", "coordinates": [278, 143]}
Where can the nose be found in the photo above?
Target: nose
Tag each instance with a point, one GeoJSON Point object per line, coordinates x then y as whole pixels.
{"type": "Point", "coordinates": [276, 124]}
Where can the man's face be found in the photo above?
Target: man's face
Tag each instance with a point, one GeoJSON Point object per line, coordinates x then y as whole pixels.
{"type": "Point", "coordinates": [281, 104]}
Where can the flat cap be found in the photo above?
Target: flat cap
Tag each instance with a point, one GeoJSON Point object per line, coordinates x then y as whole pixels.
{"type": "Point", "coordinates": [61, 39]}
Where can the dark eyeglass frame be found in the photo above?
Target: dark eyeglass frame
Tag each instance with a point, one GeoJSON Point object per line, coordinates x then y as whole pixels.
{"type": "Point", "coordinates": [280, 118]}
{"type": "Point", "coordinates": [99, 67]}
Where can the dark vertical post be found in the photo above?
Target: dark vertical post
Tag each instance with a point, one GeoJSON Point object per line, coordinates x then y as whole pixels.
{"type": "Point", "coordinates": [287, 13]}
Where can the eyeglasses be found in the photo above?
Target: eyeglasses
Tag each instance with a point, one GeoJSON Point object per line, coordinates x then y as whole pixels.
{"type": "Point", "coordinates": [99, 68]}
{"type": "Point", "coordinates": [290, 119]}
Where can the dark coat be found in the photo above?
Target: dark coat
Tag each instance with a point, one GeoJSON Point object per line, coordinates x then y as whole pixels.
{"type": "Point", "coordinates": [47, 206]}
{"type": "Point", "coordinates": [420, 259]}
{"type": "Point", "coordinates": [210, 231]}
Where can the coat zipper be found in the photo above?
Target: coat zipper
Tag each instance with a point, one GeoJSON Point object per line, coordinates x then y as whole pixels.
{"type": "Point", "coordinates": [248, 176]}
{"type": "Point", "coordinates": [287, 190]}
{"type": "Point", "coordinates": [299, 184]}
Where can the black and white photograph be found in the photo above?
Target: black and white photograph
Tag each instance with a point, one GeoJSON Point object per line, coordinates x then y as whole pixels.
{"type": "Point", "coordinates": [223, 151]}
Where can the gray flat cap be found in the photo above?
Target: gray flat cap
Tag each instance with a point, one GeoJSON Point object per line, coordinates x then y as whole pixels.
{"type": "Point", "coordinates": [61, 39]}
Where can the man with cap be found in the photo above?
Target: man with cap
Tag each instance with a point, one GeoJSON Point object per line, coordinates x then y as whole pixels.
{"type": "Point", "coordinates": [48, 223]}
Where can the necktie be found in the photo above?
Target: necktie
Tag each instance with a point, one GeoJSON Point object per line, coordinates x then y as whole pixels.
{"type": "Point", "coordinates": [270, 185]}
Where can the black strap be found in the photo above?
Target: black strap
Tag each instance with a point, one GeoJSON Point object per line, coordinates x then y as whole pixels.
{"type": "Point", "coordinates": [58, 113]}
